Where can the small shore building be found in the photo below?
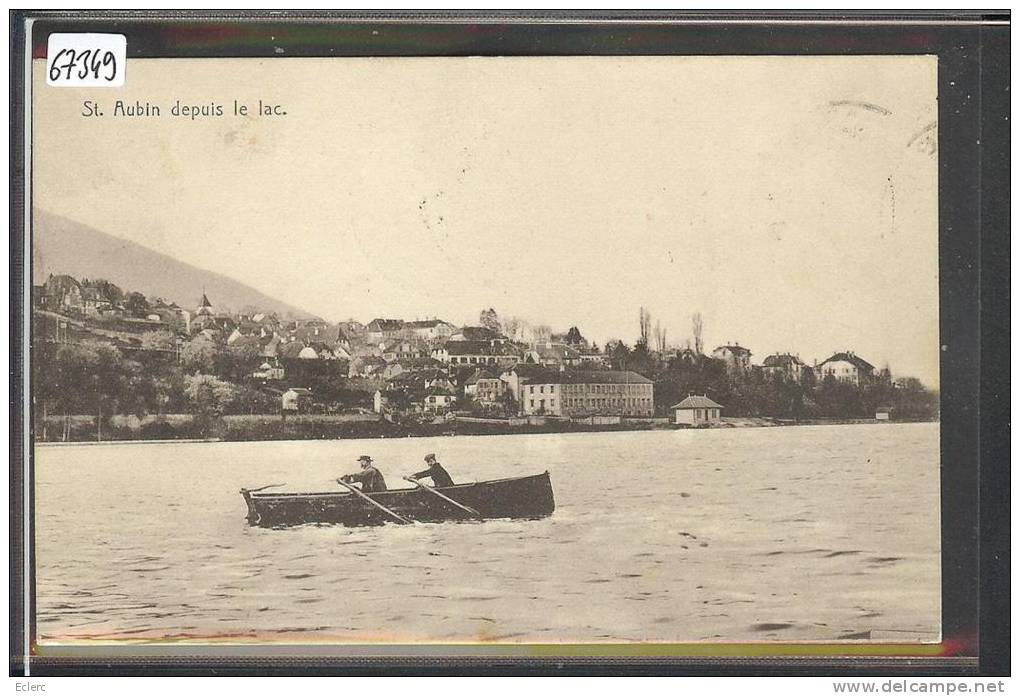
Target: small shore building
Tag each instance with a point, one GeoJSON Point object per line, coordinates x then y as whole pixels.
{"type": "Point", "coordinates": [697, 410]}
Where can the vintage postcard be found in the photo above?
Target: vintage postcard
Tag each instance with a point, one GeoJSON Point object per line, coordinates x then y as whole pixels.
{"type": "Point", "coordinates": [486, 351]}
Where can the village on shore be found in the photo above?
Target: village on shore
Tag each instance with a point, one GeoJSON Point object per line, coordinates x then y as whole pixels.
{"type": "Point", "coordinates": [106, 357]}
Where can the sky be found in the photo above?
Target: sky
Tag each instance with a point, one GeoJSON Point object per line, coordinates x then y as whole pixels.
{"type": "Point", "coordinates": [792, 201]}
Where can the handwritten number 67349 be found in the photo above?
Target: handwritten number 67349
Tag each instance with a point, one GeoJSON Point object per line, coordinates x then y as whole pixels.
{"type": "Point", "coordinates": [87, 62]}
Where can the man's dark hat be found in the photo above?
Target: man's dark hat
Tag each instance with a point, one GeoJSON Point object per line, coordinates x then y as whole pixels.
{"type": "Point", "coordinates": [430, 457]}
{"type": "Point", "coordinates": [364, 458]}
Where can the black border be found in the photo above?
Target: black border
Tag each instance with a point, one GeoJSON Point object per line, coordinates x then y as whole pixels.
{"type": "Point", "coordinates": [973, 246]}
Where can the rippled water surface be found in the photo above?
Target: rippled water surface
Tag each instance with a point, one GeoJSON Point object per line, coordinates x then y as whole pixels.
{"type": "Point", "coordinates": [821, 533]}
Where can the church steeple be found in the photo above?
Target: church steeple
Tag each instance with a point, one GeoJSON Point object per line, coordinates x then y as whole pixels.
{"type": "Point", "coordinates": [206, 309]}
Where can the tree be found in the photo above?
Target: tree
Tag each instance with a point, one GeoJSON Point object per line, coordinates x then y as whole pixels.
{"type": "Point", "coordinates": [618, 354]}
{"type": "Point", "coordinates": [660, 338]}
{"type": "Point", "coordinates": [88, 378]}
{"type": "Point", "coordinates": [489, 319]}
{"type": "Point", "coordinates": [697, 328]}
{"type": "Point", "coordinates": [512, 327]}
{"type": "Point", "coordinates": [575, 338]}
{"type": "Point", "coordinates": [645, 319]}
{"type": "Point", "coordinates": [109, 291]}
{"type": "Point", "coordinates": [136, 305]}
{"type": "Point", "coordinates": [157, 340]}
{"type": "Point", "coordinates": [541, 333]}
{"type": "Point", "coordinates": [209, 398]}
{"type": "Point", "coordinates": [199, 354]}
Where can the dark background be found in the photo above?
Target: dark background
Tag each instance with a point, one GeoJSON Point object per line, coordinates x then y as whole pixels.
{"type": "Point", "coordinates": [973, 259]}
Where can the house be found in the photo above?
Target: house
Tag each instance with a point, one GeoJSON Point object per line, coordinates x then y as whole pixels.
{"type": "Point", "coordinates": [684, 356]}
{"type": "Point", "coordinates": [697, 411]}
{"type": "Point", "coordinates": [516, 377]}
{"type": "Point", "coordinates": [610, 392]}
{"type": "Point", "coordinates": [62, 293]}
{"type": "Point", "coordinates": [379, 330]}
{"type": "Point", "coordinates": [736, 357]}
{"type": "Point", "coordinates": [845, 367]}
{"type": "Point", "coordinates": [484, 387]}
{"type": "Point", "coordinates": [491, 352]}
{"type": "Point", "coordinates": [553, 355]}
{"type": "Point", "coordinates": [591, 358]}
{"type": "Point", "coordinates": [439, 399]}
{"type": "Point", "coordinates": [365, 365]}
{"type": "Point", "coordinates": [403, 349]}
{"type": "Point", "coordinates": [291, 350]}
{"type": "Point", "coordinates": [783, 365]}
{"type": "Point", "coordinates": [296, 400]}
{"type": "Point", "coordinates": [429, 329]}
{"type": "Point", "coordinates": [270, 346]}
{"type": "Point", "coordinates": [95, 303]}
{"type": "Point", "coordinates": [269, 371]}
{"type": "Point", "coordinates": [353, 330]}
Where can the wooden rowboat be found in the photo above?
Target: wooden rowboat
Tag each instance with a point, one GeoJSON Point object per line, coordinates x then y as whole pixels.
{"type": "Point", "coordinates": [525, 497]}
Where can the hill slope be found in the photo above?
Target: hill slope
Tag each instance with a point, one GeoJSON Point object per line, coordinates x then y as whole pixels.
{"type": "Point", "coordinates": [61, 245]}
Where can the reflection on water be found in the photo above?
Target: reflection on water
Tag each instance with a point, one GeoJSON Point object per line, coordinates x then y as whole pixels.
{"type": "Point", "coordinates": [802, 533]}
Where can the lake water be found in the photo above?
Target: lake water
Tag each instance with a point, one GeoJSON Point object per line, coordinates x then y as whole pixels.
{"type": "Point", "coordinates": [796, 533]}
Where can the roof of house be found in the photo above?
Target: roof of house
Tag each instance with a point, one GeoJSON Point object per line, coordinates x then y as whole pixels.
{"type": "Point", "coordinates": [603, 377]}
{"type": "Point", "coordinates": [697, 402]}
{"type": "Point", "coordinates": [478, 375]}
{"type": "Point", "coordinates": [547, 376]}
{"type": "Point", "coordinates": [477, 348]}
{"type": "Point", "coordinates": [403, 345]}
{"type": "Point", "coordinates": [426, 323]}
{"type": "Point", "coordinates": [300, 391]}
{"type": "Point", "coordinates": [533, 372]}
{"type": "Point", "coordinates": [556, 351]}
{"type": "Point", "coordinates": [438, 391]}
{"type": "Point", "coordinates": [735, 349]}
{"type": "Point", "coordinates": [385, 324]}
{"type": "Point", "coordinates": [61, 283]}
{"type": "Point", "coordinates": [782, 360]}
{"type": "Point", "coordinates": [317, 332]}
{"type": "Point", "coordinates": [247, 341]}
{"type": "Point", "coordinates": [291, 349]}
{"type": "Point", "coordinates": [848, 356]}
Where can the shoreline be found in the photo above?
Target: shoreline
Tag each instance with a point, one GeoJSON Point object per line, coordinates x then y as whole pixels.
{"type": "Point", "coordinates": [374, 430]}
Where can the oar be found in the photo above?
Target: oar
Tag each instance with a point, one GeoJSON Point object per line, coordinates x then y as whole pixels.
{"type": "Point", "coordinates": [470, 510]}
{"type": "Point", "coordinates": [255, 490]}
{"type": "Point", "coordinates": [355, 491]}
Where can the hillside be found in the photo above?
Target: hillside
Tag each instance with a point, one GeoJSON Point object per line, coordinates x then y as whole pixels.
{"type": "Point", "coordinates": [61, 245]}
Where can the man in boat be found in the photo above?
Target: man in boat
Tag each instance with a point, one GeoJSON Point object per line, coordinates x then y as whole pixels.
{"type": "Point", "coordinates": [370, 478]}
{"type": "Point", "coordinates": [436, 472]}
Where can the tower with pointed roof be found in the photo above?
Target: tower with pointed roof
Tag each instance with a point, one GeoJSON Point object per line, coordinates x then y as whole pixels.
{"type": "Point", "coordinates": [206, 309]}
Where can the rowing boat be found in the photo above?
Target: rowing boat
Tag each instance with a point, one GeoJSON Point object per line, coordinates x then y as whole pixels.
{"type": "Point", "coordinates": [524, 497]}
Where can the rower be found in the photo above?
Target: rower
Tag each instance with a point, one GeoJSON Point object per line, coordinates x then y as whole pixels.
{"type": "Point", "coordinates": [436, 472]}
{"type": "Point", "coordinates": [371, 479]}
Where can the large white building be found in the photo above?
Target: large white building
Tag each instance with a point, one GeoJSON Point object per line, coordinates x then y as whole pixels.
{"type": "Point", "coordinates": [609, 392]}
